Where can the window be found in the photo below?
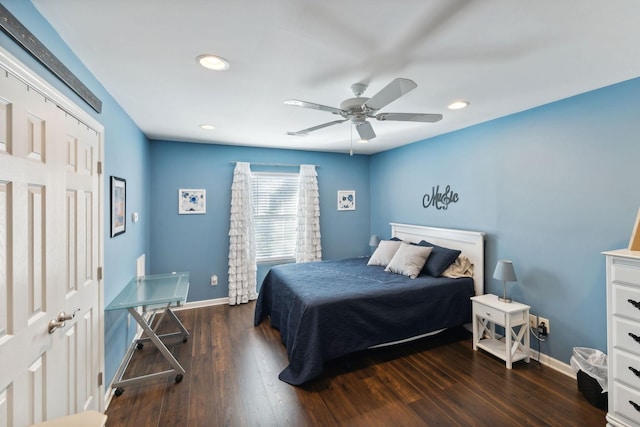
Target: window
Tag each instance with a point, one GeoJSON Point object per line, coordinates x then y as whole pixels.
{"type": "Point", "coordinates": [275, 205]}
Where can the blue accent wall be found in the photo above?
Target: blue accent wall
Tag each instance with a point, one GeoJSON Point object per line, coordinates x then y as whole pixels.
{"type": "Point", "coordinates": [126, 155]}
{"type": "Point", "coordinates": [552, 187]}
{"type": "Point", "coordinates": [200, 243]}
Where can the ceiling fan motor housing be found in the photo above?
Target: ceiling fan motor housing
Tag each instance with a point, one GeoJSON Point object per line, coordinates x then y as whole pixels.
{"type": "Point", "coordinates": [355, 108]}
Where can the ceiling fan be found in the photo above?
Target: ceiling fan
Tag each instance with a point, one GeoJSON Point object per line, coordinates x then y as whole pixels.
{"type": "Point", "coordinates": [360, 108]}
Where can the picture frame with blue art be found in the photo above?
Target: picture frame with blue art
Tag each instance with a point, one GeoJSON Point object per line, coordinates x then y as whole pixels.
{"type": "Point", "coordinates": [346, 200]}
{"type": "Point", "coordinates": [192, 201]}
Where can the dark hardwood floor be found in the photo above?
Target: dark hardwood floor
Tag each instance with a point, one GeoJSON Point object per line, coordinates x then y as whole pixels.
{"type": "Point", "coordinates": [232, 380]}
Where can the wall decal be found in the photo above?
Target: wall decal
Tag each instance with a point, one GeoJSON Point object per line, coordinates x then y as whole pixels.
{"type": "Point", "coordinates": [440, 200]}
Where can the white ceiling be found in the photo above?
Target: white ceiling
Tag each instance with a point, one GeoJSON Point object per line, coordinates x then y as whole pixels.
{"type": "Point", "coordinates": [503, 56]}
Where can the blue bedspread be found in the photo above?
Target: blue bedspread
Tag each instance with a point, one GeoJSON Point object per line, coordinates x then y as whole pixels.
{"type": "Point", "coordinates": [328, 309]}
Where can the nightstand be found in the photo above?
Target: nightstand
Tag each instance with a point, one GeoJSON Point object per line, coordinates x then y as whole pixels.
{"type": "Point", "coordinates": [488, 312]}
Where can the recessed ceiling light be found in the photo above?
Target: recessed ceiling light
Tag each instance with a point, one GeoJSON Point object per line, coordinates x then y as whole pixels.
{"type": "Point", "coordinates": [207, 127]}
{"type": "Point", "coordinates": [213, 62]}
{"type": "Point", "coordinates": [457, 105]}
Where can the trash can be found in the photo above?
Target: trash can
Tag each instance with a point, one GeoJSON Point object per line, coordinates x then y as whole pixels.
{"type": "Point", "coordinates": [591, 371]}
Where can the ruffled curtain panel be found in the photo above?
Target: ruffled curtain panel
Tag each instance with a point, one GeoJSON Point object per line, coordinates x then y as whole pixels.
{"type": "Point", "coordinates": [308, 245]}
{"type": "Point", "coordinates": [242, 252]}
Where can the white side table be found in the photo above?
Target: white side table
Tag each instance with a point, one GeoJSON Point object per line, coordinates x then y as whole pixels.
{"type": "Point", "coordinates": [488, 311]}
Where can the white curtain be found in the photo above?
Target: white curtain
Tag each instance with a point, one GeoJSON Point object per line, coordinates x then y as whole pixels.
{"type": "Point", "coordinates": [242, 250]}
{"type": "Point", "coordinates": [308, 247]}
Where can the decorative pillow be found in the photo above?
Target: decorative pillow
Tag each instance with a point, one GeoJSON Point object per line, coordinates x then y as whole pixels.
{"type": "Point", "coordinates": [461, 267]}
{"type": "Point", "coordinates": [384, 252]}
{"type": "Point", "coordinates": [409, 260]}
{"type": "Point", "coordinates": [439, 260]}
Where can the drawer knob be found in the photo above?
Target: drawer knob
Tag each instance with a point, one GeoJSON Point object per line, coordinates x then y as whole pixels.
{"type": "Point", "coordinates": [635, 337]}
{"type": "Point", "coordinates": [635, 371]}
{"type": "Point", "coordinates": [636, 304]}
{"type": "Point", "coordinates": [635, 405]}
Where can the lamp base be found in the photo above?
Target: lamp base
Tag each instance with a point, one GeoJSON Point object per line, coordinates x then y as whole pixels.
{"type": "Point", "coordinates": [505, 299]}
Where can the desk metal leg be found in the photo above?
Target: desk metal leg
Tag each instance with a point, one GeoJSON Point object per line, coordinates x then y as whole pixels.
{"type": "Point", "coordinates": [155, 338]}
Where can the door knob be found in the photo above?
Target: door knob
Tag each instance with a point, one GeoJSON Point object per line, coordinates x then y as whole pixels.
{"type": "Point", "coordinates": [63, 317]}
{"type": "Point", "coordinates": [60, 320]}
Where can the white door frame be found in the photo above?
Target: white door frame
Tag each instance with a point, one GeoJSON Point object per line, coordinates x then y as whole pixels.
{"type": "Point", "coordinates": [19, 70]}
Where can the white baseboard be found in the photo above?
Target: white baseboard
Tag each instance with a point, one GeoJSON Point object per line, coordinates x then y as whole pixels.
{"type": "Point", "coordinates": [203, 303]}
{"type": "Point", "coordinates": [555, 364]}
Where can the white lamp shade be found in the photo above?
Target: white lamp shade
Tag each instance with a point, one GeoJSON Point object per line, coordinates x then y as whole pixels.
{"type": "Point", "coordinates": [504, 271]}
{"type": "Point", "coordinates": [374, 240]}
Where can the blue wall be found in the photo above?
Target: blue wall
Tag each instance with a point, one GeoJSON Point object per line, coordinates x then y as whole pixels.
{"type": "Point", "coordinates": [200, 243]}
{"type": "Point", "coordinates": [125, 155]}
{"type": "Point", "coordinates": [552, 187]}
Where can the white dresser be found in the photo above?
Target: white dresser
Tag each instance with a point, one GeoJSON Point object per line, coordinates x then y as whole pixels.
{"type": "Point", "coordinates": [623, 337]}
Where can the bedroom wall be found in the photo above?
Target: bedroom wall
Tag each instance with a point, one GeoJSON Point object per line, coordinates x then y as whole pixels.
{"type": "Point", "coordinates": [126, 155]}
{"type": "Point", "coordinates": [200, 243]}
{"type": "Point", "coordinates": [552, 187]}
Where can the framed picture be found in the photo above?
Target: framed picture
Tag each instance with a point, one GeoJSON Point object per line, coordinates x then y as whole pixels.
{"type": "Point", "coordinates": [634, 242]}
{"type": "Point", "coordinates": [118, 206]}
{"type": "Point", "coordinates": [192, 201]}
{"type": "Point", "coordinates": [346, 200]}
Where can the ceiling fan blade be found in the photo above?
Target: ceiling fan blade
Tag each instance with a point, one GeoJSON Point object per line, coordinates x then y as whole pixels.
{"type": "Point", "coordinates": [314, 106]}
{"type": "Point", "coordinates": [390, 93]}
{"type": "Point", "coordinates": [410, 117]}
{"type": "Point", "coordinates": [314, 128]}
{"type": "Point", "coordinates": [365, 130]}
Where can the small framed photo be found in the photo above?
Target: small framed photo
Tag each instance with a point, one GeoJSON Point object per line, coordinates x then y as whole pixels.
{"type": "Point", "coordinates": [346, 200]}
{"type": "Point", "coordinates": [634, 242]}
{"type": "Point", "coordinates": [118, 206]}
{"type": "Point", "coordinates": [192, 201]}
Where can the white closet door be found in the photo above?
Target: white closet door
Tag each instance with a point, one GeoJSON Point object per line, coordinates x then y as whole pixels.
{"type": "Point", "coordinates": [49, 225]}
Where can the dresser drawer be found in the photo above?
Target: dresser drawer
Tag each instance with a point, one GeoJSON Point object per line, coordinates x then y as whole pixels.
{"type": "Point", "coordinates": [626, 301]}
{"type": "Point", "coordinates": [626, 335]}
{"type": "Point", "coordinates": [490, 313]}
{"type": "Point", "coordinates": [626, 368]}
{"type": "Point", "coordinates": [626, 273]}
{"type": "Point", "coordinates": [624, 399]}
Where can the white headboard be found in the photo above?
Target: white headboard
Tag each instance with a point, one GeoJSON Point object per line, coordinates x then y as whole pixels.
{"type": "Point", "coordinates": [471, 243]}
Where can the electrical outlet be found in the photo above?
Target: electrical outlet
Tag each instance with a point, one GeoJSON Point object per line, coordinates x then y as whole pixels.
{"type": "Point", "coordinates": [533, 321]}
{"type": "Point", "coordinates": [546, 322]}
{"type": "Point", "coordinates": [214, 280]}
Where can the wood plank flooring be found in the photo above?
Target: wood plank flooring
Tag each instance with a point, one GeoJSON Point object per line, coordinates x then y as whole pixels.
{"type": "Point", "coordinates": [232, 380]}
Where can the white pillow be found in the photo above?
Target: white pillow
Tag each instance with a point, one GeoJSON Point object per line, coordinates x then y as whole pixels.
{"type": "Point", "coordinates": [409, 260]}
{"type": "Point", "coordinates": [384, 252]}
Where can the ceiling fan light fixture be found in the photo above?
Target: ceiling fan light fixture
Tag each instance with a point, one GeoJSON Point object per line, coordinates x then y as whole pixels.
{"type": "Point", "coordinates": [207, 126]}
{"type": "Point", "coordinates": [213, 62]}
{"type": "Point", "coordinates": [457, 105]}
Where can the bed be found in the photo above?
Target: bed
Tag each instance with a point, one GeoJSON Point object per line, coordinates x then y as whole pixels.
{"type": "Point", "coordinates": [328, 309]}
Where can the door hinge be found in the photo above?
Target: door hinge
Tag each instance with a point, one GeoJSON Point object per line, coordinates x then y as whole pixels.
{"type": "Point", "coordinates": [100, 273]}
{"type": "Point", "coordinates": [99, 379]}
{"type": "Point", "coordinates": [99, 168]}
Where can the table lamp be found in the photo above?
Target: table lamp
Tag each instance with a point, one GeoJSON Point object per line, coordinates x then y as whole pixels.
{"type": "Point", "coordinates": [504, 271]}
{"type": "Point", "coordinates": [374, 241]}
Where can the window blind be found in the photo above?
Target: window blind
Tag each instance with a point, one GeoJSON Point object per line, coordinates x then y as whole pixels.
{"type": "Point", "coordinates": [275, 201]}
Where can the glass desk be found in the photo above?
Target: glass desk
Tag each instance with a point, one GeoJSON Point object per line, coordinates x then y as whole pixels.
{"type": "Point", "coordinates": [155, 293]}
